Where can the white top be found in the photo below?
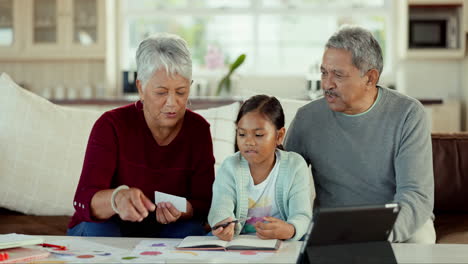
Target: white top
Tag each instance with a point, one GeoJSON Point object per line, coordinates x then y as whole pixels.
{"type": "Point", "coordinates": [262, 198]}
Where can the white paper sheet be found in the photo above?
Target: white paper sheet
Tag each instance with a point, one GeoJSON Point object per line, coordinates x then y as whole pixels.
{"type": "Point", "coordinates": [18, 240]}
{"type": "Point", "coordinates": [84, 251]}
{"type": "Point", "coordinates": [180, 203]}
{"type": "Point", "coordinates": [160, 250]}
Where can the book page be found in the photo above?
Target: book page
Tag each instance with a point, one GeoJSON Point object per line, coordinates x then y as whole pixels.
{"type": "Point", "coordinates": [18, 240]}
{"type": "Point", "coordinates": [202, 241]}
{"type": "Point", "coordinates": [252, 242]}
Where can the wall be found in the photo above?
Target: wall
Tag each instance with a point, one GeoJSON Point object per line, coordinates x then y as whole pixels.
{"type": "Point", "coordinates": [244, 85]}
{"type": "Point", "coordinates": [43, 77]}
{"type": "Point", "coordinates": [436, 79]}
{"type": "Point", "coordinates": [430, 79]}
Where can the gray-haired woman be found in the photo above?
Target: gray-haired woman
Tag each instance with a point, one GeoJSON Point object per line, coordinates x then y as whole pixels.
{"type": "Point", "coordinates": [155, 144]}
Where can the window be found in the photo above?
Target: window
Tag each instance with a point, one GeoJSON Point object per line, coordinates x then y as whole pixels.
{"type": "Point", "coordinates": [279, 37]}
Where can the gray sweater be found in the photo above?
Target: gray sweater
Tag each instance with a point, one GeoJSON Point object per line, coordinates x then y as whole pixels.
{"type": "Point", "coordinates": [380, 156]}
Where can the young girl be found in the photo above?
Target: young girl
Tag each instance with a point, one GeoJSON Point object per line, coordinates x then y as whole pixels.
{"type": "Point", "coordinates": [261, 188]}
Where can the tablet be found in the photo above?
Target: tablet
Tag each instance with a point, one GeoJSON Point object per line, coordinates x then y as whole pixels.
{"type": "Point", "coordinates": [357, 234]}
{"type": "Point", "coordinates": [354, 224]}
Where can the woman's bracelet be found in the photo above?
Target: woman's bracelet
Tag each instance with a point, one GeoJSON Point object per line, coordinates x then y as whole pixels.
{"type": "Point", "coordinates": [114, 193]}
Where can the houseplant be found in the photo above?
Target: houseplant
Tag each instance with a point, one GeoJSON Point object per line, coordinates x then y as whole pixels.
{"type": "Point", "coordinates": [225, 83]}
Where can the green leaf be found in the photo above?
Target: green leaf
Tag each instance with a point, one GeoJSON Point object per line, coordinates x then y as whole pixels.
{"type": "Point", "coordinates": [237, 63]}
{"type": "Point", "coordinates": [226, 80]}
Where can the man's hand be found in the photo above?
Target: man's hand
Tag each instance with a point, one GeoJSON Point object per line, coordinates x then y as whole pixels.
{"type": "Point", "coordinates": [275, 229]}
{"type": "Point", "coordinates": [225, 233]}
{"type": "Point", "coordinates": [133, 205]}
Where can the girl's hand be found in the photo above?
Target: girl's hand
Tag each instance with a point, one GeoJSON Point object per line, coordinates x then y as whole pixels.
{"type": "Point", "coordinates": [275, 229]}
{"type": "Point", "coordinates": [225, 233]}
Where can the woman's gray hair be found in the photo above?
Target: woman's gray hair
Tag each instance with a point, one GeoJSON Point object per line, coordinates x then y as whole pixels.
{"type": "Point", "coordinates": [163, 50]}
{"type": "Point", "coordinates": [365, 51]}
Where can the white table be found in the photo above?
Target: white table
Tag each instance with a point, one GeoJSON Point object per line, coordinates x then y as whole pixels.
{"type": "Point", "coordinates": [405, 253]}
{"type": "Point", "coordinates": [287, 254]}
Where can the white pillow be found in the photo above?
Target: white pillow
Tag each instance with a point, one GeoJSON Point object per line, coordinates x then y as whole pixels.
{"type": "Point", "coordinates": [223, 129]}
{"type": "Point", "coordinates": [42, 150]}
{"type": "Point", "coordinates": [290, 107]}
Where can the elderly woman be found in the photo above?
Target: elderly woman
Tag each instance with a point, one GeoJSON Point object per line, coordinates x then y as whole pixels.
{"type": "Point", "coordinates": [155, 144]}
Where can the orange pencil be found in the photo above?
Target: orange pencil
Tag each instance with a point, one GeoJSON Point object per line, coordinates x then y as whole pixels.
{"type": "Point", "coordinates": [54, 246]}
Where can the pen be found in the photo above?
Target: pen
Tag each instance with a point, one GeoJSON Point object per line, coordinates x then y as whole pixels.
{"type": "Point", "coordinates": [234, 221]}
{"type": "Point", "coordinates": [4, 256]}
{"type": "Point", "coordinates": [224, 225]}
{"type": "Point", "coordinates": [54, 246]}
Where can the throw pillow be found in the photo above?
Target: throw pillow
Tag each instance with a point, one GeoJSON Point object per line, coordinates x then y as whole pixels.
{"type": "Point", "coordinates": [223, 129]}
{"type": "Point", "coordinates": [290, 107]}
{"type": "Point", "coordinates": [43, 148]}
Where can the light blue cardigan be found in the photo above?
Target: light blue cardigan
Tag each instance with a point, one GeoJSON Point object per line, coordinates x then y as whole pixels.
{"type": "Point", "coordinates": [293, 192]}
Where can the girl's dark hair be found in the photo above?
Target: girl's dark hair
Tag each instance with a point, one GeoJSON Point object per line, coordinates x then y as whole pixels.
{"type": "Point", "coordinates": [266, 105]}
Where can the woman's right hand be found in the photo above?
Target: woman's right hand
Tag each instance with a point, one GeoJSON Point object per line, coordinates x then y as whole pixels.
{"type": "Point", "coordinates": [225, 233]}
{"type": "Point", "coordinates": [133, 205]}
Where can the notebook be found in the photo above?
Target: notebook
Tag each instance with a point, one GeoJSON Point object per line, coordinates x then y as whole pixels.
{"type": "Point", "coordinates": [22, 254]}
{"type": "Point", "coordinates": [18, 240]}
{"type": "Point", "coordinates": [242, 242]}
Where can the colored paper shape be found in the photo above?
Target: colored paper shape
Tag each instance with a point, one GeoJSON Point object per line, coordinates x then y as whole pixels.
{"type": "Point", "coordinates": [150, 253]}
{"type": "Point", "coordinates": [158, 245]}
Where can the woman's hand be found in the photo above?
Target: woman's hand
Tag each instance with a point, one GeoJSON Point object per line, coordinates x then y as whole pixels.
{"type": "Point", "coordinates": [225, 233]}
{"type": "Point", "coordinates": [166, 213]}
{"type": "Point", "coordinates": [133, 205]}
{"type": "Point", "coordinates": [275, 229]}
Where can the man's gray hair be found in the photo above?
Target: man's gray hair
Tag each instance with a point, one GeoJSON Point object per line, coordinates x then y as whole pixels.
{"type": "Point", "coordinates": [365, 51]}
{"type": "Point", "coordinates": [163, 51]}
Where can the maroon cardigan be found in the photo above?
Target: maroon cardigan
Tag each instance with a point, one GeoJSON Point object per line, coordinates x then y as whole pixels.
{"type": "Point", "coordinates": [122, 150]}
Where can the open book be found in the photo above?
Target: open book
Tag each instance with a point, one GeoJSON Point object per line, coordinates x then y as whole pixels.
{"type": "Point", "coordinates": [242, 242]}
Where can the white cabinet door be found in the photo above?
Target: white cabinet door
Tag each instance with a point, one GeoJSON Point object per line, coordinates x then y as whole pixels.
{"type": "Point", "coordinates": [465, 8]}
{"type": "Point", "coordinates": [46, 21]}
{"type": "Point", "coordinates": [10, 28]}
{"type": "Point", "coordinates": [87, 33]}
{"type": "Point", "coordinates": [57, 29]}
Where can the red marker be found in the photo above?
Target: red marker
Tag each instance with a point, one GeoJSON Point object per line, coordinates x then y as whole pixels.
{"type": "Point", "coordinates": [3, 256]}
{"type": "Point", "coordinates": [54, 246]}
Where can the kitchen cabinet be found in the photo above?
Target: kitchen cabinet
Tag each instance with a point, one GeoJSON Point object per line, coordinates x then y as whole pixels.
{"type": "Point", "coordinates": [58, 29]}
{"type": "Point", "coordinates": [466, 19]}
{"type": "Point", "coordinates": [406, 8]}
{"type": "Point", "coordinates": [10, 32]}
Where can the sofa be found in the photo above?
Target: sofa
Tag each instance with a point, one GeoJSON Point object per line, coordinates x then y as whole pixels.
{"type": "Point", "coordinates": [43, 147]}
{"type": "Point", "coordinates": [450, 161]}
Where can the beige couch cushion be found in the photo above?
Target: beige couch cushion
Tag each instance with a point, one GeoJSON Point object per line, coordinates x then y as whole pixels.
{"type": "Point", "coordinates": [290, 107]}
{"type": "Point", "coordinates": [223, 130]}
{"type": "Point", "coordinates": [42, 150]}
{"type": "Point", "coordinates": [43, 145]}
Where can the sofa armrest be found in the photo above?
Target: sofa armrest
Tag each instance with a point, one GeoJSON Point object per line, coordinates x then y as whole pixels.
{"type": "Point", "coordinates": [450, 161]}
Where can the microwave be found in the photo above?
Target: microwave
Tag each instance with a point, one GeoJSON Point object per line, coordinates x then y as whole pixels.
{"type": "Point", "coordinates": [433, 29]}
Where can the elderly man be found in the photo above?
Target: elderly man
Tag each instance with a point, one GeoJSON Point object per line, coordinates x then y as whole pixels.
{"type": "Point", "coordinates": [367, 144]}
